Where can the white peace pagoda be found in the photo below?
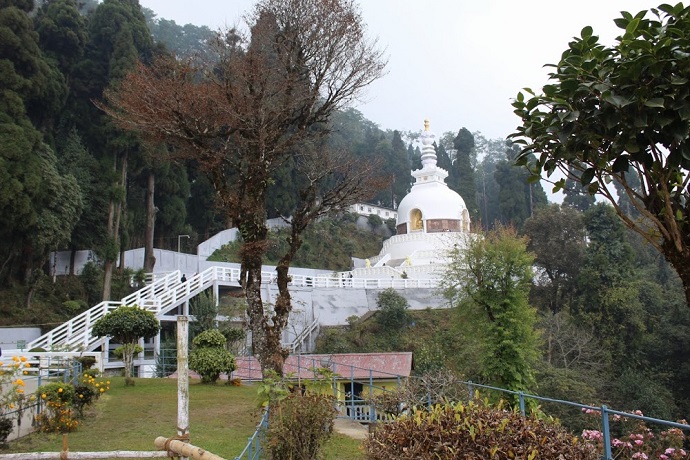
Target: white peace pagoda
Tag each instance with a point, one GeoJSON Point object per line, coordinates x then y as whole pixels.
{"type": "Point", "coordinates": [432, 219]}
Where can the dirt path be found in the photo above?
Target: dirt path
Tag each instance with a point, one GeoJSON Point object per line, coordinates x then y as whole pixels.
{"type": "Point", "coordinates": [350, 428]}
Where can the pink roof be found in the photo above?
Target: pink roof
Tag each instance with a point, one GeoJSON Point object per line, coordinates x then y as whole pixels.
{"type": "Point", "coordinates": [358, 366]}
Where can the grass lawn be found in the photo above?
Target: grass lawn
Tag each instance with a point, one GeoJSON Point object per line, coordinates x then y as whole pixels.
{"type": "Point", "coordinates": [130, 418]}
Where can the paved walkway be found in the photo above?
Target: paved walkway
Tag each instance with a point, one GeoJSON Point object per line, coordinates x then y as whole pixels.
{"type": "Point", "coordinates": [349, 427]}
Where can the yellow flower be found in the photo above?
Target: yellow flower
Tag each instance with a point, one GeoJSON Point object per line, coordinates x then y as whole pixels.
{"type": "Point", "coordinates": [107, 382]}
{"type": "Point", "coordinates": [15, 359]}
{"type": "Point", "coordinates": [20, 382]}
{"type": "Point", "coordinates": [102, 390]}
{"type": "Point", "coordinates": [26, 372]}
{"type": "Point", "coordinates": [59, 390]}
{"type": "Point", "coordinates": [11, 406]}
{"type": "Point", "coordinates": [43, 395]}
{"type": "Point", "coordinates": [81, 396]}
{"type": "Point", "coordinates": [27, 364]}
{"type": "Point", "coordinates": [23, 359]}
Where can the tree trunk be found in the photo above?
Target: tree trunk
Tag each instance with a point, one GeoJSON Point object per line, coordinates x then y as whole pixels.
{"type": "Point", "coordinates": [680, 261]}
{"type": "Point", "coordinates": [114, 211]}
{"type": "Point", "coordinates": [149, 258]}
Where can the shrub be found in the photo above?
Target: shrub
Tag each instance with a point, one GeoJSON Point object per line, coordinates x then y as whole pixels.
{"type": "Point", "coordinates": [210, 339]}
{"type": "Point", "coordinates": [393, 315]}
{"type": "Point", "coordinates": [374, 220]}
{"type": "Point", "coordinates": [209, 363]}
{"type": "Point", "coordinates": [58, 398]}
{"type": "Point", "coordinates": [475, 430]}
{"type": "Point", "coordinates": [12, 396]}
{"type": "Point", "coordinates": [86, 362]}
{"type": "Point", "coordinates": [210, 358]}
{"type": "Point", "coordinates": [299, 426]}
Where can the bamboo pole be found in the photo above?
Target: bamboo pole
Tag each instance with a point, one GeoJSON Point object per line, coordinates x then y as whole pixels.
{"type": "Point", "coordinates": [184, 449]}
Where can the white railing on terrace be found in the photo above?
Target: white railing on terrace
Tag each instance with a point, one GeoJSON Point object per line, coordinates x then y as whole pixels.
{"type": "Point", "coordinates": [168, 292]}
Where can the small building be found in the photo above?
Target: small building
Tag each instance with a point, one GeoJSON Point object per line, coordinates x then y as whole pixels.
{"type": "Point", "coordinates": [356, 376]}
{"type": "Point", "coordinates": [366, 209]}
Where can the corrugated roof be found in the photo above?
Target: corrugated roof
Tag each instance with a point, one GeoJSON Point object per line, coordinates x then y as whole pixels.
{"type": "Point", "coordinates": [358, 366]}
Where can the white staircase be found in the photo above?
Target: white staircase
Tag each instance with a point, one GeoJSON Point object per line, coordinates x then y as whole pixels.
{"type": "Point", "coordinates": [163, 295]}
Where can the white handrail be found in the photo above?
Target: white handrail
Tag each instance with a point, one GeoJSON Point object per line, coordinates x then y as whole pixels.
{"type": "Point", "coordinates": [168, 292]}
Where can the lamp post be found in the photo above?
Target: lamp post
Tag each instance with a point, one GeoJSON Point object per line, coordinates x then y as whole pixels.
{"type": "Point", "coordinates": [179, 252]}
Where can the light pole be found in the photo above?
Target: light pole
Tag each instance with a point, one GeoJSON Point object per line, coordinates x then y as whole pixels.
{"type": "Point", "coordinates": [179, 253]}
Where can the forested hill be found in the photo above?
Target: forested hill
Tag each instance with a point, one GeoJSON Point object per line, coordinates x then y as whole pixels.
{"type": "Point", "coordinates": [72, 180]}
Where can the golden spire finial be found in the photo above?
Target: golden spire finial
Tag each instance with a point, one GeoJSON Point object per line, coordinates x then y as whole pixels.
{"type": "Point", "coordinates": [426, 124]}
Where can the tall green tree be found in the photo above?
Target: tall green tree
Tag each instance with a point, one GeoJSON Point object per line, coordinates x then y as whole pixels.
{"type": "Point", "coordinates": [557, 237]}
{"type": "Point", "coordinates": [489, 279]}
{"type": "Point", "coordinates": [610, 295]}
{"type": "Point", "coordinates": [575, 194]}
{"type": "Point", "coordinates": [518, 197]}
{"type": "Point", "coordinates": [39, 205]}
{"type": "Point", "coordinates": [615, 112]}
{"type": "Point", "coordinates": [466, 183]}
{"type": "Point", "coordinates": [118, 38]}
{"type": "Point", "coordinates": [400, 165]}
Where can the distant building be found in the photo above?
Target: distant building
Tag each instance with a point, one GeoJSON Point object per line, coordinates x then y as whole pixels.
{"type": "Point", "coordinates": [364, 209]}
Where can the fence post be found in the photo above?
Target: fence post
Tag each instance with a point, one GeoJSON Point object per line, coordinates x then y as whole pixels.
{"type": "Point", "coordinates": [372, 410]}
{"type": "Point", "coordinates": [182, 378]}
{"type": "Point", "coordinates": [353, 415]}
{"type": "Point", "coordinates": [607, 433]}
{"type": "Point", "coordinates": [521, 395]}
{"type": "Point", "coordinates": [470, 391]}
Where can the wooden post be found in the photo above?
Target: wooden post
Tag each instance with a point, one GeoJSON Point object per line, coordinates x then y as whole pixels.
{"type": "Point", "coordinates": [182, 377]}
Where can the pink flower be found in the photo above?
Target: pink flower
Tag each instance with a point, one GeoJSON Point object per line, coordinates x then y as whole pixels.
{"type": "Point", "coordinates": [640, 455]}
{"type": "Point", "coordinates": [593, 435]}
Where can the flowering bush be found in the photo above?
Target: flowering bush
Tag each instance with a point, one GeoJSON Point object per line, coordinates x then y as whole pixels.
{"type": "Point", "coordinates": [65, 402]}
{"type": "Point", "coordinates": [57, 415]}
{"type": "Point", "coordinates": [13, 398]}
{"type": "Point", "coordinates": [638, 441]}
{"type": "Point", "coordinates": [88, 391]}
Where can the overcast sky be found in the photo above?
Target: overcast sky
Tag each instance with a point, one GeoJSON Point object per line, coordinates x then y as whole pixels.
{"type": "Point", "coordinates": [456, 62]}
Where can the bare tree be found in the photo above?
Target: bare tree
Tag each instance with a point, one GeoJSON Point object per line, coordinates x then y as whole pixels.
{"type": "Point", "coordinates": [265, 100]}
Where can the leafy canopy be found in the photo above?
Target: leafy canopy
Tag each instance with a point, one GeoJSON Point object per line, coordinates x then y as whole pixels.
{"type": "Point", "coordinates": [621, 116]}
{"type": "Point", "coordinates": [127, 324]}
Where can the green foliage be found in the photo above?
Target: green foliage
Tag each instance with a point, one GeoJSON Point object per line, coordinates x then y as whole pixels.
{"type": "Point", "coordinates": [374, 220]}
{"type": "Point", "coordinates": [392, 315]}
{"type": "Point", "coordinates": [489, 280]}
{"type": "Point", "coordinates": [86, 362]}
{"type": "Point", "coordinates": [299, 426]}
{"type": "Point", "coordinates": [557, 237]}
{"type": "Point", "coordinates": [56, 392]}
{"type": "Point", "coordinates": [209, 363]}
{"type": "Point", "coordinates": [204, 309]}
{"type": "Point", "coordinates": [209, 358]}
{"type": "Point", "coordinates": [328, 244]}
{"type": "Point", "coordinates": [272, 389]}
{"type": "Point", "coordinates": [126, 325]}
{"type": "Point", "coordinates": [210, 339]}
{"type": "Point", "coordinates": [613, 113]}
{"type": "Point", "coordinates": [473, 430]}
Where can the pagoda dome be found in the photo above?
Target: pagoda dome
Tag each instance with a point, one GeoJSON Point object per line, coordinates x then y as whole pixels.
{"type": "Point", "coordinates": [431, 206]}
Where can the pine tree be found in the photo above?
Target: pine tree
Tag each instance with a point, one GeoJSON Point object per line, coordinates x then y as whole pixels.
{"type": "Point", "coordinates": [466, 183]}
